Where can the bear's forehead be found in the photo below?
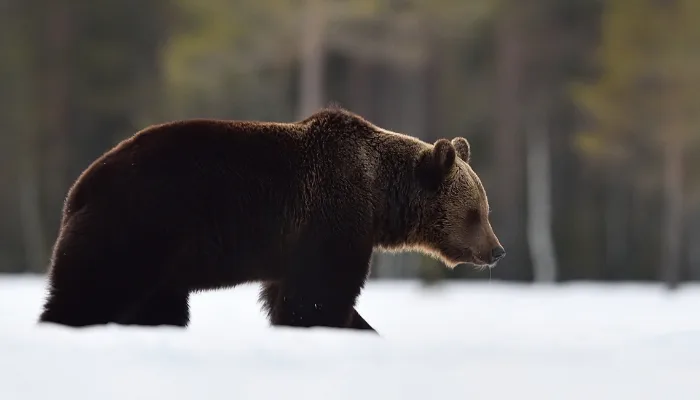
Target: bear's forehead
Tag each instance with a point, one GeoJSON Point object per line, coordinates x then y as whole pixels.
{"type": "Point", "coordinates": [465, 173]}
{"type": "Point", "coordinates": [467, 178]}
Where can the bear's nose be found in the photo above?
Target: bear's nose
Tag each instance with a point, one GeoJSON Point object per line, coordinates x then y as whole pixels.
{"type": "Point", "coordinates": [497, 253]}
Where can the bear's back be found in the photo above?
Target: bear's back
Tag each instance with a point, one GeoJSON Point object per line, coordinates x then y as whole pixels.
{"type": "Point", "coordinates": [196, 168]}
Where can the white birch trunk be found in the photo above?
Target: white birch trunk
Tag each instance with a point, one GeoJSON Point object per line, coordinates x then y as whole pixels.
{"type": "Point", "coordinates": [312, 55]}
{"type": "Point", "coordinates": [539, 213]}
{"type": "Point", "coordinates": [673, 196]}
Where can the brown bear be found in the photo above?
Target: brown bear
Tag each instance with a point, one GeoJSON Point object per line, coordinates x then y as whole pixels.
{"type": "Point", "coordinates": [202, 204]}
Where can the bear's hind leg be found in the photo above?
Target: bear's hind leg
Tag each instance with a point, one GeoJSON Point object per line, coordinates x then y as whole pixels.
{"type": "Point", "coordinates": [95, 275]}
{"type": "Point", "coordinates": [81, 304]}
{"type": "Point", "coordinates": [92, 298]}
{"type": "Point", "coordinates": [83, 290]}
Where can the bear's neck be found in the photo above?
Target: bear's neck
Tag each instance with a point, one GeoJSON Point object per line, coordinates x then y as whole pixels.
{"type": "Point", "coordinates": [398, 213]}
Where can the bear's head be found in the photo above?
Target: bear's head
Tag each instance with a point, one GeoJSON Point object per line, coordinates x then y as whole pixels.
{"type": "Point", "coordinates": [454, 222]}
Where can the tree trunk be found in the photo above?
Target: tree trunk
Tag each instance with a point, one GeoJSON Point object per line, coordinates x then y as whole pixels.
{"type": "Point", "coordinates": [30, 209]}
{"type": "Point", "coordinates": [507, 196]}
{"type": "Point", "coordinates": [692, 247]}
{"type": "Point", "coordinates": [312, 56]}
{"type": "Point", "coordinates": [539, 200]}
{"type": "Point", "coordinates": [411, 99]}
{"type": "Point", "coordinates": [390, 114]}
{"type": "Point", "coordinates": [359, 88]}
{"type": "Point", "coordinates": [55, 95]}
{"type": "Point", "coordinates": [616, 210]}
{"type": "Point", "coordinates": [673, 209]}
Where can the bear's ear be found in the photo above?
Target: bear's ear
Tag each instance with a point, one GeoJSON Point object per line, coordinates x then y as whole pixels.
{"type": "Point", "coordinates": [463, 149]}
{"type": "Point", "coordinates": [444, 154]}
{"type": "Point", "coordinates": [435, 163]}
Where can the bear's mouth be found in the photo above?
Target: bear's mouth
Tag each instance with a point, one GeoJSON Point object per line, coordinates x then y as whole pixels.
{"type": "Point", "coordinates": [455, 256]}
{"type": "Point", "coordinates": [471, 257]}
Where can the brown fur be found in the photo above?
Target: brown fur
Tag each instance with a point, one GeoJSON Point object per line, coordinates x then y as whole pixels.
{"type": "Point", "coordinates": [206, 204]}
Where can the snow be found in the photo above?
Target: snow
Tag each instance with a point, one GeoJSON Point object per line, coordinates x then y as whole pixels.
{"type": "Point", "coordinates": [478, 341]}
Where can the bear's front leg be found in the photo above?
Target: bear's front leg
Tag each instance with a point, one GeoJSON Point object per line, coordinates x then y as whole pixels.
{"type": "Point", "coordinates": [308, 309]}
{"type": "Point", "coordinates": [304, 306]}
{"type": "Point", "coordinates": [271, 291]}
{"type": "Point", "coordinates": [321, 289]}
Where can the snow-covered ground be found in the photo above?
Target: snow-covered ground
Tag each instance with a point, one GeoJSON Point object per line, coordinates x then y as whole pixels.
{"type": "Point", "coordinates": [468, 341]}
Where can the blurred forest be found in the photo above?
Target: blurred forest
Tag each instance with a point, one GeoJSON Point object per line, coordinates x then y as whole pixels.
{"type": "Point", "coordinates": [583, 115]}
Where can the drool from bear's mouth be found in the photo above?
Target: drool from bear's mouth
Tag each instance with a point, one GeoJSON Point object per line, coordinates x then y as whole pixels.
{"type": "Point", "coordinates": [468, 256]}
{"type": "Point", "coordinates": [481, 265]}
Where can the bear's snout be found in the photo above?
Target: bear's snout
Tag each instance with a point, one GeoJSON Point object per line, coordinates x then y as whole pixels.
{"type": "Point", "coordinates": [497, 253]}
